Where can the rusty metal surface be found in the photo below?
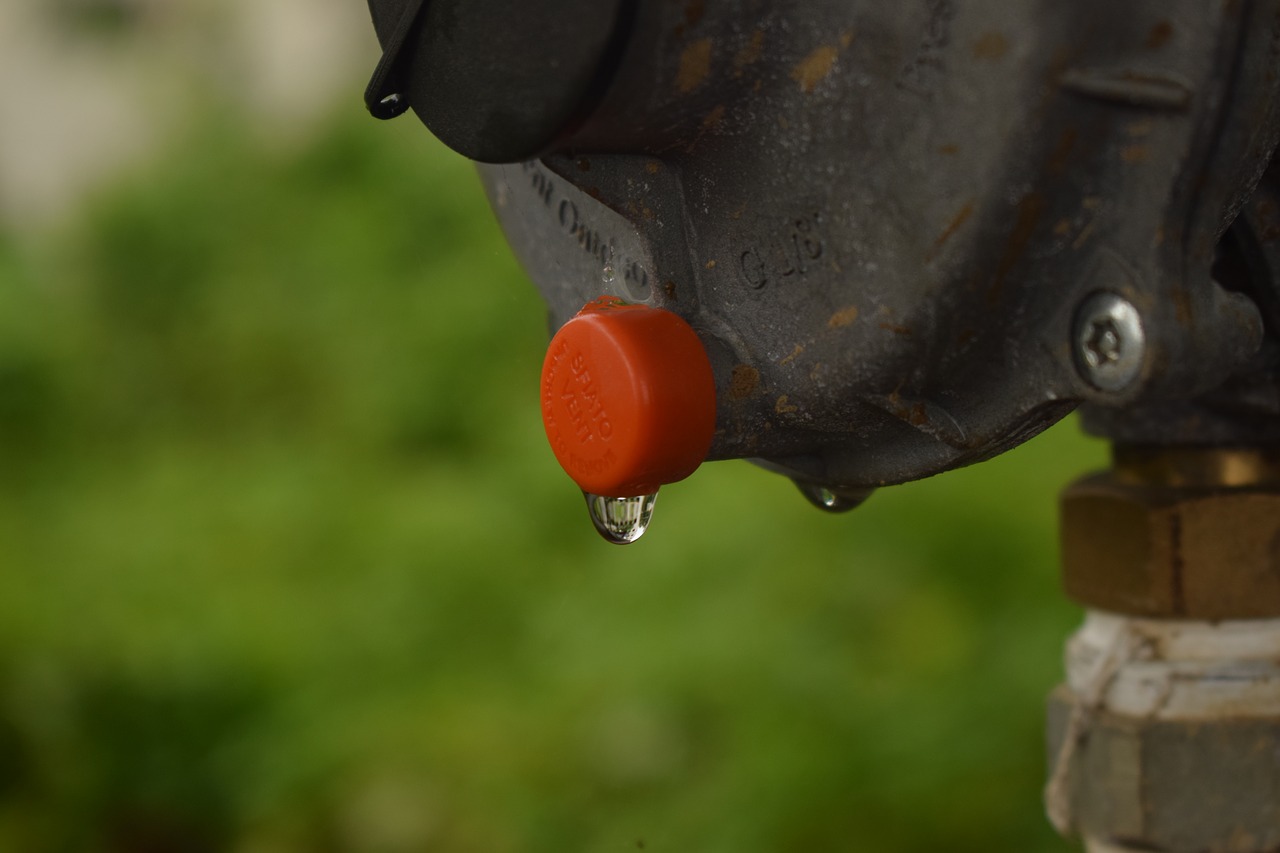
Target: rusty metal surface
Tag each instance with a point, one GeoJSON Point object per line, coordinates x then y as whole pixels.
{"type": "Point", "coordinates": [1153, 550]}
{"type": "Point", "coordinates": [1174, 786]}
{"type": "Point", "coordinates": [882, 217]}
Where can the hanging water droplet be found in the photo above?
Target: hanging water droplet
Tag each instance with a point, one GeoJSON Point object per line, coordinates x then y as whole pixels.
{"type": "Point", "coordinates": [607, 274]}
{"type": "Point", "coordinates": [621, 520]}
{"type": "Point", "coordinates": [832, 500]}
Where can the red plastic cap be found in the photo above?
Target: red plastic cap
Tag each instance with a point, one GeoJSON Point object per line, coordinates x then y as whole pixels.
{"type": "Point", "coordinates": [628, 398]}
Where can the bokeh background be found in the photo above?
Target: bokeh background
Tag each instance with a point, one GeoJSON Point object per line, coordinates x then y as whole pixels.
{"type": "Point", "coordinates": [285, 564]}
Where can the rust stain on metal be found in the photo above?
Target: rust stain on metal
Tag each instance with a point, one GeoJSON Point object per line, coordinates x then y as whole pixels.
{"type": "Point", "coordinates": [711, 264]}
{"type": "Point", "coordinates": [749, 54]}
{"type": "Point", "coordinates": [911, 412]}
{"type": "Point", "coordinates": [1134, 153]}
{"type": "Point", "coordinates": [1181, 307]}
{"type": "Point", "coordinates": [710, 123]}
{"type": "Point", "coordinates": [639, 210]}
{"type": "Point", "coordinates": [783, 406]}
{"type": "Point", "coordinates": [669, 288]}
{"type": "Point", "coordinates": [1269, 224]}
{"type": "Point", "coordinates": [1138, 128]}
{"type": "Point", "coordinates": [1159, 35]}
{"type": "Point", "coordinates": [743, 382]}
{"type": "Point", "coordinates": [897, 330]}
{"type": "Point", "coordinates": [815, 67]}
{"type": "Point", "coordinates": [949, 149]}
{"type": "Point", "coordinates": [695, 65]}
{"type": "Point", "coordinates": [952, 227]}
{"type": "Point", "coordinates": [653, 167]}
{"type": "Point", "coordinates": [1030, 209]}
{"type": "Point", "coordinates": [843, 317]}
{"type": "Point", "coordinates": [990, 46]}
{"type": "Point", "coordinates": [693, 12]}
{"type": "Point", "coordinates": [1061, 155]}
{"type": "Point", "coordinates": [1083, 237]}
{"type": "Point", "coordinates": [794, 354]}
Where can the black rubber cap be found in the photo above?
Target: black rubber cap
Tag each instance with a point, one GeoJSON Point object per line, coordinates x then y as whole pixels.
{"type": "Point", "coordinates": [499, 80]}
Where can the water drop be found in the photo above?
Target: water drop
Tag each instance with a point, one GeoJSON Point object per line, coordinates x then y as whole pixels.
{"type": "Point", "coordinates": [829, 499]}
{"type": "Point", "coordinates": [621, 520]}
{"type": "Point", "coordinates": [607, 274]}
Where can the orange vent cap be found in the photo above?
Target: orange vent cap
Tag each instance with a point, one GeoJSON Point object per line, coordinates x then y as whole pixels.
{"type": "Point", "coordinates": [628, 398]}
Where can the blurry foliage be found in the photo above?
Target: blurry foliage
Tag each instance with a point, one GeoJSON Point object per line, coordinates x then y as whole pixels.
{"type": "Point", "coordinates": [288, 567]}
{"type": "Point", "coordinates": [96, 19]}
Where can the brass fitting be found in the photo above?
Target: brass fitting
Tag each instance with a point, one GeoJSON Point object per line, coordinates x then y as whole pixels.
{"type": "Point", "coordinates": [1190, 533]}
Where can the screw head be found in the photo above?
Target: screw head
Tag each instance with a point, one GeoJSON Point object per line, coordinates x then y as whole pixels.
{"type": "Point", "coordinates": [1109, 342]}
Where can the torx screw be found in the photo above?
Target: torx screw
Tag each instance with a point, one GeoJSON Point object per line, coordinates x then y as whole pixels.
{"type": "Point", "coordinates": [1109, 342]}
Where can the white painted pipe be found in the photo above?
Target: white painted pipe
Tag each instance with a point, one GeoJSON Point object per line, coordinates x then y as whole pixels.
{"type": "Point", "coordinates": [1162, 669]}
{"type": "Point", "coordinates": [1172, 669]}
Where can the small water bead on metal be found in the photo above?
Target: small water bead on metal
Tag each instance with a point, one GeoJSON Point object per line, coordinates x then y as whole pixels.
{"type": "Point", "coordinates": [621, 520]}
{"type": "Point", "coordinates": [828, 499]}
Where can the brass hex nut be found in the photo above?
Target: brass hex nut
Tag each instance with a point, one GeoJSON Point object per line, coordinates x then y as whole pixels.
{"type": "Point", "coordinates": [1180, 786]}
{"type": "Point", "coordinates": [1166, 551]}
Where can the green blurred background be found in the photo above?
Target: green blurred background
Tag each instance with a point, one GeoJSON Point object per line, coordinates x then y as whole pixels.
{"type": "Point", "coordinates": [287, 566]}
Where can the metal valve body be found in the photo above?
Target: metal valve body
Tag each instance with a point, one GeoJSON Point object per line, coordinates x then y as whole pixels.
{"type": "Point", "coordinates": [886, 221]}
